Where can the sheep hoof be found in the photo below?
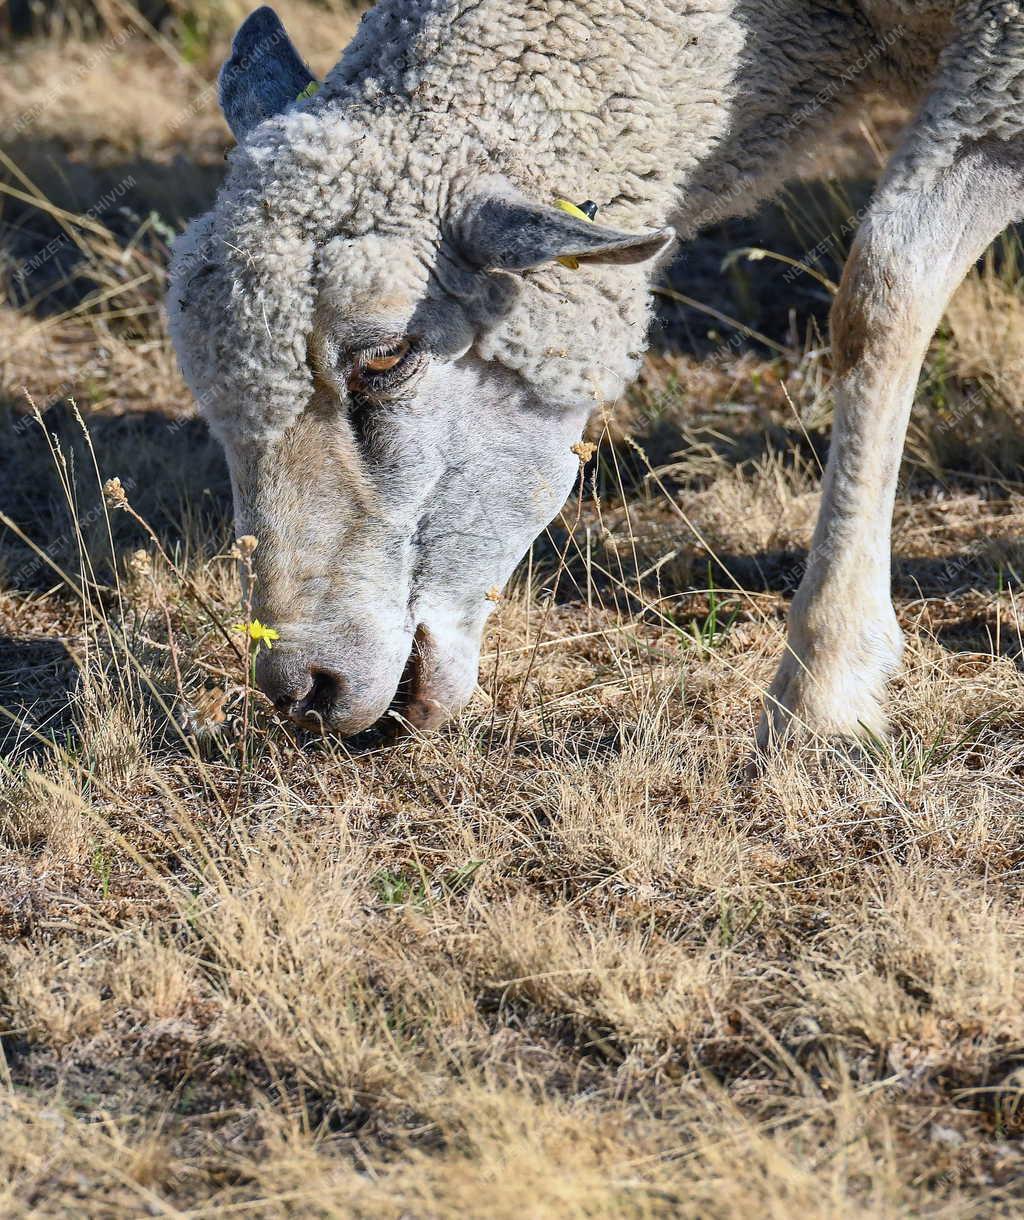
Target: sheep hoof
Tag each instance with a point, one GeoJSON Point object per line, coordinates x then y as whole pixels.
{"type": "Point", "coordinates": [844, 699]}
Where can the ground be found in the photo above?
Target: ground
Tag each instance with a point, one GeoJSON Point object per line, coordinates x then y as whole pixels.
{"type": "Point", "coordinates": [579, 954]}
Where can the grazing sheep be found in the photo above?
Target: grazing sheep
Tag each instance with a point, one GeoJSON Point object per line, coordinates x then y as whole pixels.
{"type": "Point", "coordinates": [398, 337]}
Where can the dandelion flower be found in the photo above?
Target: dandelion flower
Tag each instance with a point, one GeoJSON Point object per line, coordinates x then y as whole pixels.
{"type": "Point", "coordinates": [256, 631]}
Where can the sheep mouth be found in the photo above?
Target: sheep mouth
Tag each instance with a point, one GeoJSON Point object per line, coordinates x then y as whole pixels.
{"type": "Point", "coordinates": [407, 693]}
{"type": "Point", "coordinates": [414, 707]}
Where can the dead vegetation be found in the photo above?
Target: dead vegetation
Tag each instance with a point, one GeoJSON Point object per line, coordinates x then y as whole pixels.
{"type": "Point", "coordinates": [571, 956]}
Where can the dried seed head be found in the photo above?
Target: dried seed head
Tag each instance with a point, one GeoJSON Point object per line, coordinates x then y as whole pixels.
{"type": "Point", "coordinates": [114, 494]}
{"type": "Point", "coordinates": [209, 706]}
{"type": "Point", "coordinates": [204, 716]}
{"type": "Point", "coordinates": [584, 450]}
{"type": "Point", "coordinates": [493, 594]}
{"type": "Point", "coordinates": [140, 563]}
{"type": "Point", "coordinates": [244, 547]}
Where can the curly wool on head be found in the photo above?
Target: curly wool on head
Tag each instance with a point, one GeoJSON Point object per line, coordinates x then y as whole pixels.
{"type": "Point", "coordinates": [306, 179]}
{"type": "Point", "coordinates": [430, 99]}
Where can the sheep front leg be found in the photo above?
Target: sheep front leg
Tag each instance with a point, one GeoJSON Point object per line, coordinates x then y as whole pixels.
{"type": "Point", "coordinates": [923, 232]}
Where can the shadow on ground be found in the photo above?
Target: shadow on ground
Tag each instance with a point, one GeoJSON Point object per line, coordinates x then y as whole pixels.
{"type": "Point", "coordinates": [37, 677]}
{"type": "Point", "coordinates": [50, 490]}
{"type": "Point", "coordinates": [174, 475]}
{"type": "Point", "coordinates": [138, 199]}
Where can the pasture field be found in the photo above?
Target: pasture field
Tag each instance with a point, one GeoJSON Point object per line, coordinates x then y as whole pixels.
{"type": "Point", "coordinates": [574, 955]}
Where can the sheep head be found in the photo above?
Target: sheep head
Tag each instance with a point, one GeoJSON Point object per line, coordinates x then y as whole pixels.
{"type": "Point", "coordinates": [376, 327]}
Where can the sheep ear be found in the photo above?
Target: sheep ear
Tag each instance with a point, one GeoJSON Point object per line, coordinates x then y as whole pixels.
{"type": "Point", "coordinates": [510, 234]}
{"type": "Point", "coordinates": [263, 75]}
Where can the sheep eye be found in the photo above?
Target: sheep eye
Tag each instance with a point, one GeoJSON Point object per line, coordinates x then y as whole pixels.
{"type": "Point", "coordinates": [383, 361]}
{"type": "Point", "coordinates": [386, 370]}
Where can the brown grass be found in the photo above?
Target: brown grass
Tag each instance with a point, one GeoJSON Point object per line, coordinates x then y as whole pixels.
{"type": "Point", "coordinates": [570, 956]}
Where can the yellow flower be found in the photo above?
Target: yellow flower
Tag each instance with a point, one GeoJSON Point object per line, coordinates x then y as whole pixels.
{"type": "Point", "coordinates": [256, 631]}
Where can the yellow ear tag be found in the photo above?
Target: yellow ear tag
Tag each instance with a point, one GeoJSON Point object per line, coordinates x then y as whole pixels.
{"type": "Point", "coordinates": [567, 260]}
{"type": "Point", "coordinates": [310, 89]}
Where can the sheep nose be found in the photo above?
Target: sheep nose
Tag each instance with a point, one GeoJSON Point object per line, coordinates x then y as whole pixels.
{"type": "Point", "coordinates": [297, 688]}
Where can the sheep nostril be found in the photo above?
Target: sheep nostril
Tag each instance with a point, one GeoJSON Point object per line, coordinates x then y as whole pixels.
{"type": "Point", "coordinates": [285, 703]}
{"type": "Point", "coordinates": [282, 680]}
{"type": "Point", "coordinates": [301, 691]}
{"type": "Point", "coordinates": [322, 692]}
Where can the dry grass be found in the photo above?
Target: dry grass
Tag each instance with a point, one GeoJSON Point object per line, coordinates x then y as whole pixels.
{"type": "Point", "coordinates": [569, 957]}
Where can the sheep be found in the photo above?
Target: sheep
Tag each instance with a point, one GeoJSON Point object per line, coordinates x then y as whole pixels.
{"type": "Point", "coordinates": [397, 319]}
